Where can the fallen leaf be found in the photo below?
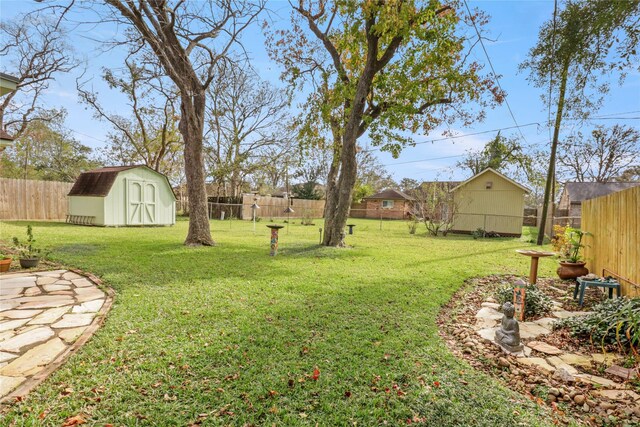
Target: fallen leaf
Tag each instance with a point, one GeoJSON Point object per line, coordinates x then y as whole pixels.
{"type": "Point", "coordinates": [43, 414]}
{"type": "Point", "coordinates": [74, 421]}
{"type": "Point", "coordinates": [436, 383]}
{"type": "Point", "coordinates": [316, 374]}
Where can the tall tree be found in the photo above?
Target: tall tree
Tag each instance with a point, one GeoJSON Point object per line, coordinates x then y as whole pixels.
{"type": "Point", "coordinates": [572, 52]}
{"type": "Point", "coordinates": [499, 154]}
{"type": "Point", "coordinates": [189, 40]}
{"type": "Point", "coordinates": [148, 132]}
{"type": "Point", "coordinates": [602, 157]}
{"type": "Point", "coordinates": [382, 68]}
{"type": "Point", "coordinates": [246, 117]}
{"type": "Point", "coordinates": [47, 151]}
{"type": "Point", "coordinates": [34, 49]}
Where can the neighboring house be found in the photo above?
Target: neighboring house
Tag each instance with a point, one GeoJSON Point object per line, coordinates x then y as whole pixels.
{"type": "Point", "coordinates": [122, 196]}
{"type": "Point", "coordinates": [490, 201]}
{"type": "Point", "coordinates": [574, 193]}
{"type": "Point", "coordinates": [387, 204]}
{"type": "Point", "coordinates": [7, 85]}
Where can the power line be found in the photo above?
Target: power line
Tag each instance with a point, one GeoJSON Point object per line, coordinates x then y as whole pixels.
{"type": "Point", "coordinates": [493, 70]}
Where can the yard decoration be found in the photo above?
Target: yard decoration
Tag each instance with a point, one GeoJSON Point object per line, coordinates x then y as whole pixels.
{"type": "Point", "coordinates": [5, 263]}
{"type": "Point", "coordinates": [508, 336]}
{"type": "Point", "coordinates": [535, 256]}
{"type": "Point", "coordinates": [274, 238]}
{"type": "Point", "coordinates": [29, 256]}
{"type": "Point", "coordinates": [519, 298]}
{"type": "Point", "coordinates": [572, 266]}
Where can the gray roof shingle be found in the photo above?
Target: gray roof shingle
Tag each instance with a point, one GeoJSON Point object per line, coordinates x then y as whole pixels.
{"type": "Point", "coordinates": [580, 191]}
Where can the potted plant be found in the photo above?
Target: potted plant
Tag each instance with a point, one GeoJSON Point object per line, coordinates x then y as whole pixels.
{"type": "Point", "coordinates": [28, 254]}
{"type": "Point", "coordinates": [5, 263]}
{"type": "Point", "coordinates": [571, 264]}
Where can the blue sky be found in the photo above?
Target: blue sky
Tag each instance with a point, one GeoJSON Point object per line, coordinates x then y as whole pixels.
{"type": "Point", "coordinates": [514, 27]}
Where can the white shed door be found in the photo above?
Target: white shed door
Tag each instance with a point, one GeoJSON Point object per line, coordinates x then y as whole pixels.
{"type": "Point", "coordinates": [141, 202]}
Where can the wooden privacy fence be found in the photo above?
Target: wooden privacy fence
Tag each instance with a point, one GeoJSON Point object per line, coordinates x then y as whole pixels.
{"type": "Point", "coordinates": [273, 207]}
{"type": "Point", "coordinates": [22, 199]}
{"type": "Point", "coordinates": [614, 221]}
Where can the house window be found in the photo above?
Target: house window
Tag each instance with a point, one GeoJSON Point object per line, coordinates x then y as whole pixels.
{"type": "Point", "coordinates": [489, 185]}
{"type": "Point", "coordinates": [387, 204]}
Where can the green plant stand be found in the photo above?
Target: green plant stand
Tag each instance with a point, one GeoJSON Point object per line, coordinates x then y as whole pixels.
{"type": "Point", "coordinates": [582, 284]}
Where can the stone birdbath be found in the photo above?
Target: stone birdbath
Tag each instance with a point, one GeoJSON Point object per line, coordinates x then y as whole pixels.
{"type": "Point", "coordinates": [535, 256]}
{"type": "Point", "coordinates": [274, 238]}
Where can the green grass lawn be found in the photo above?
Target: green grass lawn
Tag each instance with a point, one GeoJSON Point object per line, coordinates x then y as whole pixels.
{"type": "Point", "coordinates": [233, 334]}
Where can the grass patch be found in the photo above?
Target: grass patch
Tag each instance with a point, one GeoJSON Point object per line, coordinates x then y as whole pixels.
{"type": "Point", "coordinates": [227, 335]}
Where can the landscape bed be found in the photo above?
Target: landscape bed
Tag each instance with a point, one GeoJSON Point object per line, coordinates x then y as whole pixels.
{"type": "Point", "coordinates": [228, 335]}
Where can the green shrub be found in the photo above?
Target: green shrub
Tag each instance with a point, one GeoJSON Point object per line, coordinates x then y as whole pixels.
{"type": "Point", "coordinates": [614, 321]}
{"type": "Point", "coordinates": [536, 303]}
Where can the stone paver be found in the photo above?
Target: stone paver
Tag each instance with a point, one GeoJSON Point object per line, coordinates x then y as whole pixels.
{"type": "Point", "coordinates": [537, 362]}
{"type": "Point", "coordinates": [26, 339]}
{"type": "Point", "coordinates": [37, 357]}
{"type": "Point", "coordinates": [576, 359]}
{"type": "Point", "coordinates": [544, 348]}
{"type": "Point", "coordinates": [49, 316]}
{"type": "Point", "coordinates": [488, 313]}
{"type": "Point", "coordinates": [593, 379]}
{"type": "Point", "coordinates": [559, 363]}
{"type": "Point", "coordinates": [530, 330]}
{"type": "Point", "coordinates": [74, 320]}
{"type": "Point", "coordinates": [41, 315]}
{"type": "Point", "coordinates": [4, 357]}
{"type": "Point", "coordinates": [72, 334]}
{"type": "Point", "coordinates": [619, 394]}
{"type": "Point", "coordinates": [89, 307]}
{"type": "Point", "coordinates": [56, 287]}
{"type": "Point", "coordinates": [10, 325]}
{"type": "Point", "coordinates": [7, 384]}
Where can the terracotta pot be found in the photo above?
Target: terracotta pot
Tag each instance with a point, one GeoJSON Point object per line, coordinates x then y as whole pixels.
{"type": "Point", "coordinates": [5, 264]}
{"type": "Point", "coordinates": [571, 270]}
{"type": "Point", "coordinates": [29, 262]}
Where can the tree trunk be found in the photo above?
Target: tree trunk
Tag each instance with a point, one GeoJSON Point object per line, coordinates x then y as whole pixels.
{"type": "Point", "coordinates": [337, 220]}
{"type": "Point", "coordinates": [191, 127]}
{"type": "Point", "coordinates": [331, 192]}
{"type": "Point", "coordinates": [554, 148]}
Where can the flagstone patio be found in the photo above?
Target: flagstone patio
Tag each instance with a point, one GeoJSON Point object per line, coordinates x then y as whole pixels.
{"type": "Point", "coordinates": [43, 317]}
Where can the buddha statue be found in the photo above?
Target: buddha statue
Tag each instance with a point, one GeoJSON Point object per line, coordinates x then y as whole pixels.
{"type": "Point", "coordinates": [508, 335]}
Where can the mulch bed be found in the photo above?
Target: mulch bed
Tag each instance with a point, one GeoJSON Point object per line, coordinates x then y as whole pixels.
{"type": "Point", "coordinates": [568, 402]}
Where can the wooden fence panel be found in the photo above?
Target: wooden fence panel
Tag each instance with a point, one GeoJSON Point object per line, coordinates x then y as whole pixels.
{"type": "Point", "coordinates": [614, 221]}
{"type": "Point", "coordinates": [22, 199]}
{"type": "Point", "coordinates": [273, 207]}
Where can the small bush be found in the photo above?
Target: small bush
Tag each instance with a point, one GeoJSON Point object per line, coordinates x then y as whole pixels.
{"type": "Point", "coordinates": [481, 232]}
{"type": "Point", "coordinates": [536, 303]}
{"type": "Point", "coordinates": [614, 321]}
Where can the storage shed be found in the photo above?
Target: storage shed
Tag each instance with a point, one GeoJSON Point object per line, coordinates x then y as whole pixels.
{"type": "Point", "coordinates": [122, 196]}
{"type": "Point", "coordinates": [490, 201]}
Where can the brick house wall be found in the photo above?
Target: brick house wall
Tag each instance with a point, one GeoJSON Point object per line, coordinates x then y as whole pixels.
{"type": "Point", "coordinates": [401, 209]}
